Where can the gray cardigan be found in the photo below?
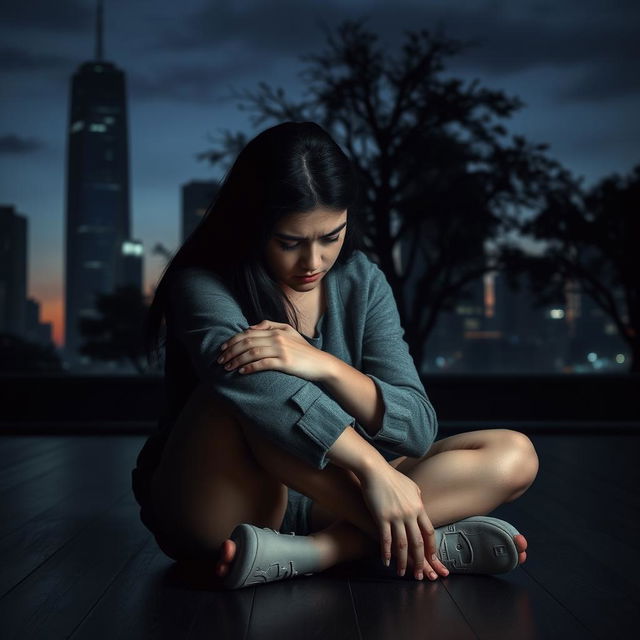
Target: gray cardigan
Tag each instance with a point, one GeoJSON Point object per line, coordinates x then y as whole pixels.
{"type": "Point", "coordinates": [360, 326]}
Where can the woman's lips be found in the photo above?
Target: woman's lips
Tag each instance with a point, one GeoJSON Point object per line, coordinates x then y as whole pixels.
{"type": "Point", "coordinates": [310, 278]}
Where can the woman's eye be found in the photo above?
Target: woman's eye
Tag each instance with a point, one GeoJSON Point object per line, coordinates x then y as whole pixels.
{"type": "Point", "coordinates": [288, 247]}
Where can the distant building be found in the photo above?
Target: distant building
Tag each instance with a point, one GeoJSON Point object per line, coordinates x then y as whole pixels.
{"type": "Point", "coordinates": [36, 331]}
{"type": "Point", "coordinates": [197, 195]}
{"type": "Point", "coordinates": [13, 271]}
{"type": "Point", "coordinates": [98, 244]}
{"type": "Point", "coordinates": [132, 263]}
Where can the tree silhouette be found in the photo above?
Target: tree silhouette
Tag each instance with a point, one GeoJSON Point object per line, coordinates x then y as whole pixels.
{"type": "Point", "coordinates": [118, 332]}
{"type": "Point", "coordinates": [439, 182]}
{"type": "Point", "coordinates": [19, 355]}
{"type": "Point", "coordinates": [591, 241]}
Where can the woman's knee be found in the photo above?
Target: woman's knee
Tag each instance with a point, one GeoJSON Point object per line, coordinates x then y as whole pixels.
{"type": "Point", "coordinates": [519, 462]}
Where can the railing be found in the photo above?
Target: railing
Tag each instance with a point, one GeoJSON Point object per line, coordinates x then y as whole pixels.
{"type": "Point", "coordinates": [102, 404]}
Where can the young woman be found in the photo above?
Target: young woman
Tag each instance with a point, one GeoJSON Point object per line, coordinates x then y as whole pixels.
{"type": "Point", "coordinates": [296, 432]}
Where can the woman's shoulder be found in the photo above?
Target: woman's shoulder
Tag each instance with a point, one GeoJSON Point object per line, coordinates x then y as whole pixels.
{"type": "Point", "coordinates": [360, 267]}
{"type": "Point", "coordinates": [195, 279]}
{"type": "Point", "coordinates": [359, 279]}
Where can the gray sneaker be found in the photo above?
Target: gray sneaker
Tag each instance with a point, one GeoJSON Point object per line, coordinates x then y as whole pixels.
{"type": "Point", "coordinates": [266, 555]}
{"type": "Point", "coordinates": [478, 544]}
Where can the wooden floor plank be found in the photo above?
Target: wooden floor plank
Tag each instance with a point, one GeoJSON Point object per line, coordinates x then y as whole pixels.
{"type": "Point", "coordinates": [31, 544]}
{"type": "Point", "coordinates": [34, 462]}
{"type": "Point", "coordinates": [569, 568]}
{"type": "Point", "coordinates": [317, 608]}
{"type": "Point", "coordinates": [512, 605]}
{"type": "Point", "coordinates": [79, 461]}
{"type": "Point", "coordinates": [406, 610]}
{"type": "Point", "coordinates": [144, 601]}
{"type": "Point", "coordinates": [85, 566]}
{"type": "Point", "coordinates": [63, 590]}
{"type": "Point", "coordinates": [606, 465]}
{"type": "Point", "coordinates": [15, 449]}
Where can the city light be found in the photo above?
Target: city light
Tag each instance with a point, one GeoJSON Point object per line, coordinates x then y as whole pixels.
{"type": "Point", "coordinates": [592, 357]}
{"type": "Point", "coordinates": [556, 314]}
{"type": "Point", "coordinates": [132, 248]}
{"type": "Point", "coordinates": [620, 358]}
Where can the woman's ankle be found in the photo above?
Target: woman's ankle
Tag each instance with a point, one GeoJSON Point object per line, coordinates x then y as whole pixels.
{"type": "Point", "coordinates": [341, 542]}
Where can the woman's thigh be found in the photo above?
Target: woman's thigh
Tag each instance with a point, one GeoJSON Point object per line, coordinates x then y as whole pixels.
{"type": "Point", "coordinates": [207, 480]}
{"type": "Point", "coordinates": [468, 440]}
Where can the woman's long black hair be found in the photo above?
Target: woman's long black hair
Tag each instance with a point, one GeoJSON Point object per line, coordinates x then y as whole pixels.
{"type": "Point", "coordinates": [293, 167]}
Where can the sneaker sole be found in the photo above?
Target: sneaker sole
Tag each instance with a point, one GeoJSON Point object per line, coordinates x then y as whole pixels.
{"type": "Point", "coordinates": [478, 544]}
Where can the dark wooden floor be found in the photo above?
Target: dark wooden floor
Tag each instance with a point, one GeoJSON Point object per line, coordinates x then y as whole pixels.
{"type": "Point", "coordinates": [77, 563]}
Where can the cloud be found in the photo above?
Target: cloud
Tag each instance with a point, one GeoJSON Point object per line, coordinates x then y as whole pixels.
{"type": "Point", "coordinates": [13, 144]}
{"type": "Point", "coordinates": [602, 82]}
{"type": "Point", "coordinates": [61, 15]}
{"type": "Point", "coordinates": [198, 82]}
{"type": "Point", "coordinates": [14, 59]}
{"type": "Point", "coordinates": [592, 41]}
{"type": "Point", "coordinates": [503, 38]}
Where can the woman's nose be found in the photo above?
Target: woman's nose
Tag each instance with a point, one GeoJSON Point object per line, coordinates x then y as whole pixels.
{"type": "Point", "coordinates": [312, 260]}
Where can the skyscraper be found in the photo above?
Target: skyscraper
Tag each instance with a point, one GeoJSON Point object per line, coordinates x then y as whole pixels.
{"type": "Point", "coordinates": [97, 205]}
{"type": "Point", "coordinates": [13, 271]}
{"type": "Point", "coordinates": [197, 195]}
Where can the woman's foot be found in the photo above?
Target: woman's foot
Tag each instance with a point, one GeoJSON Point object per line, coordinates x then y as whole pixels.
{"type": "Point", "coordinates": [255, 555]}
{"type": "Point", "coordinates": [521, 545]}
{"type": "Point", "coordinates": [228, 553]}
{"type": "Point", "coordinates": [481, 545]}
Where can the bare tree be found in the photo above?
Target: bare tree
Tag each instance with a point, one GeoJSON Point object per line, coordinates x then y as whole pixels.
{"type": "Point", "coordinates": [439, 181]}
{"type": "Point", "coordinates": [117, 332]}
{"type": "Point", "coordinates": [591, 241]}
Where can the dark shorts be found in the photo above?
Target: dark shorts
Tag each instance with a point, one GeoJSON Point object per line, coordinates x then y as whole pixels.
{"type": "Point", "coordinates": [297, 517]}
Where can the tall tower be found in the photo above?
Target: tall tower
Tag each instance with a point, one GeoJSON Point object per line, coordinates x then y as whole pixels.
{"type": "Point", "coordinates": [197, 195]}
{"type": "Point", "coordinates": [97, 201]}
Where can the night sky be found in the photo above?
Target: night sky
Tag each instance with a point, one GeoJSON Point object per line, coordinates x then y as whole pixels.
{"type": "Point", "coordinates": [573, 63]}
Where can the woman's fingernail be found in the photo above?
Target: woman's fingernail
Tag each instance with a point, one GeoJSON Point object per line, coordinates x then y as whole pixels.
{"type": "Point", "coordinates": [386, 562]}
{"type": "Point", "coordinates": [432, 575]}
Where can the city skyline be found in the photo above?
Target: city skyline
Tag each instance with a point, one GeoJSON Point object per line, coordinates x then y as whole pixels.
{"type": "Point", "coordinates": [572, 67]}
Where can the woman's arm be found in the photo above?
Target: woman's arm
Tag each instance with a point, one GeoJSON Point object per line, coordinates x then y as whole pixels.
{"type": "Point", "coordinates": [392, 409]}
{"type": "Point", "coordinates": [355, 392]}
{"type": "Point", "coordinates": [353, 453]}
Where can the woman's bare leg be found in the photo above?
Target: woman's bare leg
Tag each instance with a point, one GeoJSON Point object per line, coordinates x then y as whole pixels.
{"type": "Point", "coordinates": [219, 471]}
{"type": "Point", "coordinates": [467, 474]}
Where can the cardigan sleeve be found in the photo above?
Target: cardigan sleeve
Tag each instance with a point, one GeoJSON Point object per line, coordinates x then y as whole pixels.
{"type": "Point", "coordinates": [293, 413]}
{"type": "Point", "coordinates": [409, 423]}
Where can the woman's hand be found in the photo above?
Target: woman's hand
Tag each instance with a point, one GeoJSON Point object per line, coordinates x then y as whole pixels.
{"type": "Point", "coordinates": [276, 346]}
{"type": "Point", "coordinates": [395, 503]}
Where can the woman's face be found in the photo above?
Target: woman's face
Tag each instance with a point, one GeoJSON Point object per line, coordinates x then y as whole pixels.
{"type": "Point", "coordinates": [305, 244]}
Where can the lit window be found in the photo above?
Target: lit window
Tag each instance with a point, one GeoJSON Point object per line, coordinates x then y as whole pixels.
{"type": "Point", "coordinates": [131, 248]}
